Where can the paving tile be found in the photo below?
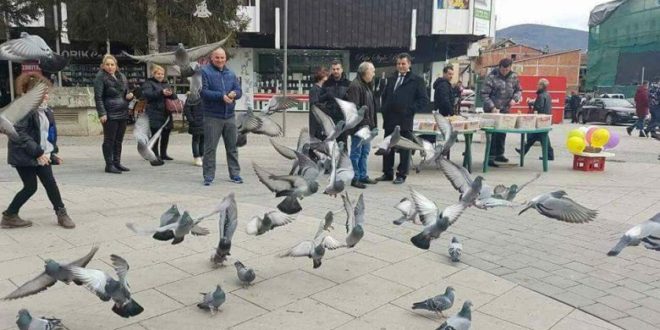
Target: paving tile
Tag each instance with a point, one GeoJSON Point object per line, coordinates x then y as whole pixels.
{"type": "Point", "coordinates": [350, 265]}
{"type": "Point", "coordinates": [632, 323]}
{"type": "Point", "coordinates": [392, 318]}
{"type": "Point", "coordinates": [302, 314]}
{"type": "Point", "coordinates": [391, 251]}
{"type": "Point", "coordinates": [583, 321]}
{"type": "Point", "coordinates": [485, 321]}
{"type": "Point", "coordinates": [425, 271]}
{"type": "Point", "coordinates": [604, 312]}
{"type": "Point", "coordinates": [480, 281]}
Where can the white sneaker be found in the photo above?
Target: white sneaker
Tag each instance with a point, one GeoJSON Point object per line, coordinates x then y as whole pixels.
{"type": "Point", "coordinates": [198, 161]}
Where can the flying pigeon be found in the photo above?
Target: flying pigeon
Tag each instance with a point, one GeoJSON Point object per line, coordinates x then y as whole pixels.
{"type": "Point", "coordinates": [354, 219]}
{"type": "Point", "coordinates": [227, 224]}
{"type": "Point", "coordinates": [271, 220]}
{"type": "Point", "coordinates": [341, 172]}
{"type": "Point", "coordinates": [460, 321]}
{"type": "Point", "coordinates": [557, 206]}
{"type": "Point", "coordinates": [509, 193]}
{"type": "Point", "coordinates": [329, 219]}
{"type": "Point", "coordinates": [13, 113]}
{"type": "Point", "coordinates": [291, 186]}
{"type": "Point", "coordinates": [212, 300]}
{"type": "Point", "coordinates": [455, 250]}
{"type": "Point", "coordinates": [352, 115]}
{"type": "Point", "coordinates": [53, 272]}
{"type": "Point", "coordinates": [647, 232]}
{"type": "Point", "coordinates": [439, 303]}
{"type": "Point", "coordinates": [106, 287]}
{"type": "Point", "coordinates": [330, 129]}
{"type": "Point", "coordinates": [181, 56]}
{"type": "Point", "coordinates": [314, 249]}
{"type": "Point", "coordinates": [249, 122]}
{"type": "Point", "coordinates": [278, 103]}
{"type": "Point", "coordinates": [366, 135]}
{"type": "Point", "coordinates": [407, 208]}
{"type": "Point", "coordinates": [290, 153]}
{"type": "Point", "coordinates": [245, 275]}
{"type": "Point", "coordinates": [432, 154]}
{"type": "Point", "coordinates": [175, 231]}
{"type": "Point", "coordinates": [396, 141]}
{"type": "Point", "coordinates": [25, 321]}
{"type": "Point", "coordinates": [145, 141]}
{"type": "Point", "coordinates": [32, 48]}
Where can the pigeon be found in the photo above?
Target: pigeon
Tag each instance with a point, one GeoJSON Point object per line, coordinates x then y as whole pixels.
{"type": "Point", "coordinates": [354, 219]}
{"type": "Point", "coordinates": [437, 304]}
{"type": "Point", "coordinates": [195, 82]}
{"type": "Point", "coordinates": [366, 135]}
{"type": "Point", "coordinates": [53, 272]}
{"type": "Point", "coordinates": [106, 287]}
{"type": "Point", "coordinates": [341, 172]}
{"type": "Point", "coordinates": [32, 48]}
{"type": "Point", "coordinates": [271, 220]}
{"type": "Point", "coordinates": [449, 136]}
{"type": "Point", "coordinates": [407, 208]}
{"type": "Point", "coordinates": [291, 186]}
{"type": "Point", "coordinates": [145, 141]}
{"type": "Point", "coordinates": [278, 103]}
{"type": "Point", "coordinates": [314, 249]}
{"type": "Point", "coordinates": [396, 141]}
{"type": "Point", "coordinates": [557, 206]}
{"type": "Point", "coordinates": [432, 153]}
{"type": "Point", "coordinates": [249, 122]}
{"type": "Point", "coordinates": [331, 130]}
{"type": "Point", "coordinates": [509, 193]}
{"type": "Point", "coordinates": [647, 232]}
{"type": "Point", "coordinates": [21, 107]}
{"type": "Point", "coordinates": [329, 219]}
{"type": "Point", "coordinates": [289, 153]}
{"type": "Point", "coordinates": [455, 250]}
{"type": "Point", "coordinates": [460, 321]}
{"type": "Point", "coordinates": [181, 56]}
{"type": "Point", "coordinates": [175, 231]}
{"type": "Point", "coordinates": [246, 275]}
{"type": "Point", "coordinates": [227, 224]}
{"type": "Point", "coordinates": [352, 115]}
{"type": "Point", "coordinates": [25, 321]}
{"type": "Point", "coordinates": [212, 300]}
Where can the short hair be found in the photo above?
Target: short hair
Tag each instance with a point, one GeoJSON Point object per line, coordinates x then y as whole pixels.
{"type": "Point", "coordinates": [447, 68]}
{"type": "Point", "coordinates": [505, 63]}
{"type": "Point", "coordinates": [363, 67]}
{"type": "Point", "coordinates": [109, 57]}
{"type": "Point", "coordinates": [156, 67]}
{"type": "Point", "coordinates": [404, 55]}
{"type": "Point", "coordinates": [336, 62]}
{"type": "Point", "coordinates": [320, 73]}
{"type": "Point", "coordinates": [646, 82]}
{"type": "Point", "coordinates": [26, 81]}
{"type": "Point", "coordinates": [544, 82]}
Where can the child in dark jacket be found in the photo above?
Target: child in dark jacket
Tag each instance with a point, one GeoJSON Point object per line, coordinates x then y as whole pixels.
{"type": "Point", "coordinates": [195, 117]}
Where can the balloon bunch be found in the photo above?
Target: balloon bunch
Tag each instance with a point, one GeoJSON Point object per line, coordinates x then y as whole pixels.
{"type": "Point", "coordinates": [591, 139]}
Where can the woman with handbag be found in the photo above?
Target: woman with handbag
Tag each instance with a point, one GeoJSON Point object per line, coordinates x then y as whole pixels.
{"type": "Point", "coordinates": [157, 91]}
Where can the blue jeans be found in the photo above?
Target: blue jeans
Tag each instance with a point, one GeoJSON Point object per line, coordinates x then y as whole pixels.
{"type": "Point", "coordinates": [655, 119]}
{"type": "Point", "coordinates": [639, 124]}
{"type": "Point", "coordinates": [359, 157]}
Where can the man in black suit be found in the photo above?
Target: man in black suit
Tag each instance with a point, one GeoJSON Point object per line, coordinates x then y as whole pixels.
{"type": "Point", "coordinates": [404, 96]}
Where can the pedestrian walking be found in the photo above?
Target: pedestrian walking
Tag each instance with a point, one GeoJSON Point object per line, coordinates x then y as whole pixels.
{"type": "Point", "coordinates": [500, 91]}
{"type": "Point", "coordinates": [403, 97]}
{"type": "Point", "coordinates": [220, 90]}
{"type": "Point", "coordinates": [111, 96]}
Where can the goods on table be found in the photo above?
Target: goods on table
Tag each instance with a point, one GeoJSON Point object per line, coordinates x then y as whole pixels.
{"type": "Point", "coordinates": [526, 121]}
{"type": "Point", "coordinates": [543, 121]}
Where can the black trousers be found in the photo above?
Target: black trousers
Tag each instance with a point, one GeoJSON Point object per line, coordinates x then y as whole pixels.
{"type": "Point", "coordinates": [404, 158]}
{"type": "Point", "coordinates": [497, 145]}
{"type": "Point", "coordinates": [533, 138]}
{"type": "Point", "coordinates": [162, 143]}
{"type": "Point", "coordinates": [29, 176]}
{"type": "Point", "coordinates": [113, 137]}
{"type": "Point", "coordinates": [198, 145]}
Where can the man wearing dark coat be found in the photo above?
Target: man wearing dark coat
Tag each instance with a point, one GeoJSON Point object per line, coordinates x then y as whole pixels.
{"type": "Point", "coordinates": [443, 96]}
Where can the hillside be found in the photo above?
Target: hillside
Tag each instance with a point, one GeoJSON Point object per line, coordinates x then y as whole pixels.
{"type": "Point", "coordinates": [538, 36]}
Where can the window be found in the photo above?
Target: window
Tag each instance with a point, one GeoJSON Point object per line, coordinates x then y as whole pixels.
{"type": "Point", "coordinates": [513, 57]}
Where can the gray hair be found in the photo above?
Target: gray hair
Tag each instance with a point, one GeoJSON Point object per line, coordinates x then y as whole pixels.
{"type": "Point", "coordinates": [363, 67]}
{"type": "Point", "coordinates": [544, 82]}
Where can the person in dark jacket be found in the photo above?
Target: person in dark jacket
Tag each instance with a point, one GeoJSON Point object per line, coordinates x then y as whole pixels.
{"type": "Point", "coordinates": [360, 92]}
{"type": "Point", "coordinates": [542, 105]}
{"type": "Point", "coordinates": [220, 90]}
{"type": "Point", "coordinates": [32, 154]}
{"type": "Point", "coordinates": [317, 97]}
{"type": "Point", "coordinates": [574, 103]}
{"type": "Point", "coordinates": [155, 90]}
{"type": "Point", "coordinates": [642, 107]}
{"type": "Point", "coordinates": [654, 107]}
{"type": "Point", "coordinates": [443, 93]}
{"type": "Point", "coordinates": [193, 112]}
{"type": "Point", "coordinates": [500, 91]}
{"type": "Point", "coordinates": [404, 96]}
{"type": "Point", "coordinates": [336, 87]}
{"type": "Point", "coordinates": [111, 96]}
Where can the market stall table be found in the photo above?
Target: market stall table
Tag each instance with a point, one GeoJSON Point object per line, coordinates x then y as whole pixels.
{"type": "Point", "coordinates": [523, 134]}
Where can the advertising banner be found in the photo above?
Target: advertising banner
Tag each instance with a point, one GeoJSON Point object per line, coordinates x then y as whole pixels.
{"type": "Point", "coordinates": [557, 91]}
{"type": "Point", "coordinates": [482, 17]}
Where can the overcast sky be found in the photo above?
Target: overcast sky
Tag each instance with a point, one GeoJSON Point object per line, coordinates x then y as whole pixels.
{"type": "Point", "coordinates": [572, 14]}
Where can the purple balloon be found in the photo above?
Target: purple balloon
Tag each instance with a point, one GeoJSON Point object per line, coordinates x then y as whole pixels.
{"type": "Point", "coordinates": [613, 142]}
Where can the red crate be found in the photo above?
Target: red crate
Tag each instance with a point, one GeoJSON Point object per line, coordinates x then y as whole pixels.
{"type": "Point", "coordinates": [588, 164]}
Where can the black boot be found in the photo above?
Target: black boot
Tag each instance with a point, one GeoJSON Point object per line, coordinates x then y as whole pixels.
{"type": "Point", "coordinates": [110, 168]}
{"type": "Point", "coordinates": [164, 141]}
{"type": "Point", "coordinates": [119, 166]}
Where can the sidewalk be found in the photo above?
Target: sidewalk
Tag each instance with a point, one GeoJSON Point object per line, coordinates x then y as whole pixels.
{"type": "Point", "coordinates": [521, 272]}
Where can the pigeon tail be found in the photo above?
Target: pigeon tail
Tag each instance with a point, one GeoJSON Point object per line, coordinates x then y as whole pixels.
{"type": "Point", "coordinates": [131, 308]}
{"type": "Point", "coordinates": [290, 205]}
{"type": "Point", "coordinates": [164, 235]}
{"type": "Point", "coordinates": [317, 263]}
{"type": "Point", "coordinates": [623, 242]}
{"type": "Point", "coordinates": [399, 221]}
{"type": "Point", "coordinates": [177, 240]}
{"type": "Point", "coordinates": [421, 305]}
{"type": "Point", "coordinates": [241, 140]}
{"type": "Point", "coordinates": [421, 241]}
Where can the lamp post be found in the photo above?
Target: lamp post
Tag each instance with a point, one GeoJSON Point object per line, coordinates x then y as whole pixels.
{"type": "Point", "coordinates": [286, 61]}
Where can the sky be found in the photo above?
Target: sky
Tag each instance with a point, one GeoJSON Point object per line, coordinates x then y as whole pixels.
{"type": "Point", "coordinates": [573, 14]}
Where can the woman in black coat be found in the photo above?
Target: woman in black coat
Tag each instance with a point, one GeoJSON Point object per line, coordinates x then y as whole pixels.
{"type": "Point", "coordinates": [32, 154]}
{"type": "Point", "coordinates": [195, 117]}
{"type": "Point", "coordinates": [317, 97]}
{"type": "Point", "coordinates": [155, 90]}
{"type": "Point", "coordinates": [111, 95]}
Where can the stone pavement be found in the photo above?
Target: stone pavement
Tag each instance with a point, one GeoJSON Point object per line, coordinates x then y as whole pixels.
{"type": "Point", "coordinates": [521, 272]}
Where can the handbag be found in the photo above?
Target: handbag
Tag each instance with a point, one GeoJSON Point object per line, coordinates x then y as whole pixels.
{"type": "Point", "coordinates": [173, 105]}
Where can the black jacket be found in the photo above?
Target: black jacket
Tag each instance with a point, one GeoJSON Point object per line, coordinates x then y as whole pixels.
{"type": "Point", "coordinates": [110, 95]}
{"type": "Point", "coordinates": [335, 88]}
{"type": "Point", "coordinates": [361, 93]}
{"type": "Point", "coordinates": [575, 102]}
{"type": "Point", "coordinates": [543, 102]}
{"type": "Point", "coordinates": [317, 97]}
{"type": "Point", "coordinates": [443, 97]}
{"type": "Point", "coordinates": [152, 91]}
{"type": "Point", "coordinates": [194, 116]}
{"type": "Point", "coordinates": [25, 150]}
{"type": "Point", "coordinates": [400, 106]}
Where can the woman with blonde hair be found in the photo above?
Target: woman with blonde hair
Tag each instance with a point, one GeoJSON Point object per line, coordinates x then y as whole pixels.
{"type": "Point", "coordinates": [155, 90]}
{"type": "Point", "coordinates": [111, 95]}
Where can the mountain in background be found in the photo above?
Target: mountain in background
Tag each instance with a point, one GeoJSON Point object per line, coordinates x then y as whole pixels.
{"type": "Point", "coordinates": [538, 36]}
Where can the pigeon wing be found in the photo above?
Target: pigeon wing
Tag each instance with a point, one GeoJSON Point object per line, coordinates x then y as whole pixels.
{"type": "Point", "coordinates": [22, 49]}
{"type": "Point", "coordinates": [40, 283]}
{"type": "Point", "coordinates": [302, 249]}
{"type": "Point", "coordinates": [538, 175]}
{"type": "Point", "coordinates": [567, 210]}
{"type": "Point", "coordinates": [268, 179]}
{"type": "Point", "coordinates": [348, 109]}
{"type": "Point", "coordinates": [195, 53]}
{"type": "Point", "coordinates": [427, 210]}
{"type": "Point", "coordinates": [406, 144]}
{"type": "Point", "coordinates": [23, 105]}
{"type": "Point", "coordinates": [93, 279]}
{"type": "Point", "coordinates": [325, 120]}
{"type": "Point", "coordinates": [458, 176]}
{"type": "Point", "coordinates": [453, 212]}
{"type": "Point", "coordinates": [82, 262]}
{"type": "Point", "coordinates": [285, 151]}
{"type": "Point", "coordinates": [359, 210]}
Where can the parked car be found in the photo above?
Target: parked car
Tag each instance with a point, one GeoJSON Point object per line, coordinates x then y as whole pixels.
{"type": "Point", "coordinates": [610, 111]}
{"type": "Point", "coordinates": [612, 96]}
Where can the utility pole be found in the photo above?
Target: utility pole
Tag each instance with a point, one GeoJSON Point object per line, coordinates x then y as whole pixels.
{"type": "Point", "coordinates": [286, 60]}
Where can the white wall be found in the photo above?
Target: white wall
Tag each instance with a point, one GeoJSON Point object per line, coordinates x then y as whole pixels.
{"type": "Point", "coordinates": [242, 63]}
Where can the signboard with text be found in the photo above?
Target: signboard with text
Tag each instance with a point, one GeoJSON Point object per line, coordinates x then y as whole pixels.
{"type": "Point", "coordinates": [482, 17]}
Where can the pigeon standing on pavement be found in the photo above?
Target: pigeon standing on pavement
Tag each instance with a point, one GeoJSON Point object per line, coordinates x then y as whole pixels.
{"type": "Point", "coordinates": [246, 275]}
{"type": "Point", "coordinates": [647, 232]}
{"type": "Point", "coordinates": [439, 303]}
{"type": "Point", "coordinates": [455, 249]}
{"type": "Point", "coordinates": [460, 321]}
{"type": "Point", "coordinates": [53, 272]}
{"type": "Point", "coordinates": [25, 321]}
{"type": "Point", "coordinates": [212, 300]}
{"type": "Point", "coordinates": [271, 220]}
{"type": "Point", "coordinates": [557, 206]}
{"type": "Point", "coordinates": [227, 224]}
{"type": "Point", "coordinates": [21, 107]}
{"type": "Point", "coordinates": [105, 287]}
